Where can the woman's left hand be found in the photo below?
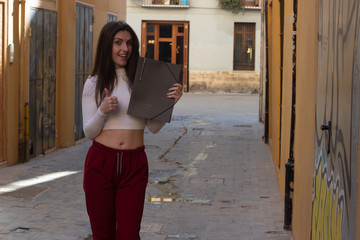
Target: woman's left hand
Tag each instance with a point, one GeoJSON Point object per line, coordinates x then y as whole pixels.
{"type": "Point", "coordinates": [175, 92]}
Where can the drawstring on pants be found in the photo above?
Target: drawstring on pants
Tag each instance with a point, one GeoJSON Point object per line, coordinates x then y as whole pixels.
{"type": "Point", "coordinates": [119, 163]}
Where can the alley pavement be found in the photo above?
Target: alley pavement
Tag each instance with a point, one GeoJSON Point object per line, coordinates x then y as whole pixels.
{"type": "Point", "coordinates": [211, 178]}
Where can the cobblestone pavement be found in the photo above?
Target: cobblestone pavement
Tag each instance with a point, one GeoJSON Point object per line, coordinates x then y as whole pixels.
{"type": "Point", "coordinates": [211, 178]}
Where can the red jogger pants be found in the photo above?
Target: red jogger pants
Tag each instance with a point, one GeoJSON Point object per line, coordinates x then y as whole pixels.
{"type": "Point", "coordinates": [114, 185]}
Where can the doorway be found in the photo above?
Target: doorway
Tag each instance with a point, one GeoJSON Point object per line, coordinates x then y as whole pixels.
{"type": "Point", "coordinates": [2, 84]}
{"type": "Point", "coordinates": [42, 79]}
{"type": "Point", "coordinates": [168, 42]}
{"type": "Point", "coordinates": [83, 59]}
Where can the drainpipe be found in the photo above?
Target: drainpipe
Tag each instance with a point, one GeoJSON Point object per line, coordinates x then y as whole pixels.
{"type": "Point", "coordinates": [266, 121]}
{"type": "Point", "coordinates": [289, 166]}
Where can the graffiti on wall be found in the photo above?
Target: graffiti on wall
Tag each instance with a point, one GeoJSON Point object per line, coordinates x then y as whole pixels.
{"type": "Point", "coordinates": [337, 120]}
{"type": "Point", "coordinates": [328, 202]}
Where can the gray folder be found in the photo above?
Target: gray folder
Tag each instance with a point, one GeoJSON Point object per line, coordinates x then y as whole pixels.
{"type": "Point", "coordinates": [151, 84]}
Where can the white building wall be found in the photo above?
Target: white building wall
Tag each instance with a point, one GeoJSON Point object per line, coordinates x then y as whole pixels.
{"type": "Point", "coordinates": [211, 31]}
{"type": "Point", "coordinates": [211, 35]}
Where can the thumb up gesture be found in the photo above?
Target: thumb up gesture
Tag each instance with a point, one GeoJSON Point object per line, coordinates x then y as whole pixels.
{"type": "Point", "coordinates": [109, 104]}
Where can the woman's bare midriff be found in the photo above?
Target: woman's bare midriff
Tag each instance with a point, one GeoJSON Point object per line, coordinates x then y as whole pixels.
{"type": "Point", "coordinates": [121, 138]}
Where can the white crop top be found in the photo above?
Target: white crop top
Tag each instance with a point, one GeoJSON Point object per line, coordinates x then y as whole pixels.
{"type": "Point", "coordinates": [94, 121]}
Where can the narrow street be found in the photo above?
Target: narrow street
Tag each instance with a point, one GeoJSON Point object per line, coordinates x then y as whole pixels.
{"type": "Point", "coordinates": [211, 178]}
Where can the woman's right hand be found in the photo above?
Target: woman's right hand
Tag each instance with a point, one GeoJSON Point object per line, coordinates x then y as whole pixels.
{"type": "Point", "coordinates": [109, 104]}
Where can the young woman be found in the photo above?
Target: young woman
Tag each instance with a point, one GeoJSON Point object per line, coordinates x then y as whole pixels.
{"type": "Point", "coordinates": [116, 168]}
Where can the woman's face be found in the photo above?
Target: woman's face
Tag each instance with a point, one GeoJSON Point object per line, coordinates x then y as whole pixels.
{"type": "Point", "coordinates": [121, 48]}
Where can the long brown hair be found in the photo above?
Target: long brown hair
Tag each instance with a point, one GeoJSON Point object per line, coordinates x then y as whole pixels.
{"type": "Point", "coordinates": [104, 67]}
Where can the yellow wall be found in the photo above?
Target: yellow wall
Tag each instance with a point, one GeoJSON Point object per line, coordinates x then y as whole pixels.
{"type": "Point", "coordinates": [306, 75]}
{"type": "Point", "coordinates": [305, 108]}
{"type": "Point", "coordinates": [275, 87]}
{"type": "Point", "coordinates": [305, 104]}
{"type": "Point", "coordinates": [306, 69]}
{"type": "Point", "coordinates": [274, 80]}
{"type": "Point", "coordinates": [12, 92]}
{"type": "Point", "coordinates": [286, 93]}
{"type": "Point", "coordinates": [65, 88]}
{"type": "Point", "coordinates": [3, 88]}
{"type": "Point", "coordinates": [17, 73]}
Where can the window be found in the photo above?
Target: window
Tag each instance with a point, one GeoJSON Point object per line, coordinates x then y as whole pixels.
{"type": "Point", "coordinates": [166, 2]}
{"type": "Point", "coordinates": [244, 46]}
{"type": "Point", "coordinates": [112, 17]}
{"type": "Point", "coordinates": [251, 3]}
{"type": "Point", "coordinates": [184, 4]}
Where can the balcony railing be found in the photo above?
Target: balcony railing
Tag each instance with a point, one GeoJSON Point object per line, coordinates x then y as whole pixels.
{"type": "Point", "coordinates": [165, 3]}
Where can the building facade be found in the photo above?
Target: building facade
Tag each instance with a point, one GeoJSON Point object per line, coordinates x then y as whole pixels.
{"type": "Point", "coordinates": [219, 50]}
{"type": "Point", "coordinates": [310, 107]}
{"type": "Point", "coordinates": [47, 52]}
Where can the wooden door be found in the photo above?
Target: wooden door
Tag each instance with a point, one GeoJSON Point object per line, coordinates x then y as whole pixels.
{"type": "Point", "coordinates": [168, 42]}
{"type": "Point", "coordinates": [2, 85]}
{"type": "Point", "coordinates": [337, 121]}
{"type": "Point", "coordinates": [244, 46]}
{"type": "Point", "coordinates": [83, 59]}
{"type": "Point", "coordinates": [42, 85]}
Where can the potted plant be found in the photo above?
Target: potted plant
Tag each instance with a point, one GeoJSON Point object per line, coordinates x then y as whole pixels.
{"type": "Point", "coordinates": [233, 5]}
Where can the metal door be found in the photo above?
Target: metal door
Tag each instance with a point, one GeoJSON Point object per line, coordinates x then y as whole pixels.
{"type": "Point", "coordinates": [42, 77]}
{"type": "Point", "coordinates": [83, 59]}
{"type": "Point", "coordinates": [337, 121]}
{"type": "Point", "coordinates": [2, 85]}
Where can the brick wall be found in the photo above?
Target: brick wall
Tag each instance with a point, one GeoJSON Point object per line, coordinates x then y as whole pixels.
{"type": "Point", "coordinates": [222, 81]}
